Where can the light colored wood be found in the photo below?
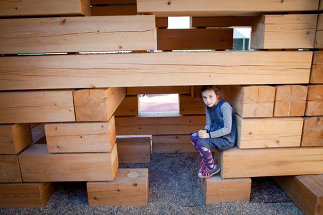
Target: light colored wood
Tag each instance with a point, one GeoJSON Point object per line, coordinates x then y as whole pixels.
{"type": "Point", "coordinates": [44, 7]}
{"type": "Point", "coordinates": [306, 191]}
{"type": "Point", "coordinates": [128, 106]}
{"type": "Point", "coordinates": [269, 133]}
{"type": "Point", "coordinates": [25, 195]}
{"type": "Point", "coordinates": [172, 144]}
{"type": "Point", "coordinates": [114, 10]}
{"type": "Point", "coordinates": [186, 39]}
{"type": "Point", "coordinates": [155, 69]}
{"type": "Point", "coordinates": [134, 149]}
{"type": "Point", "coordinates": [313, 131]}
{"type": "Point", "coordinates": [77, 34]}
{"type": "Point", "coordinates": [314, 105]}
{"type": "Point", "coordinates": [223, 21]}
{"type": "Point", "coordinates": [37, 165]}
{"type": "Point", "coordinates": [317, 68]}
{"type": "Point", "coordinates": [36, 106]}
{"type": "Point", "coordinates": [158, 90]}
{"type": "Point", "coordinates": [38, 132]}
{"type": "Point", "coordinates": [289, 31]}
{"type": "Point", "coordinates": [216, 190]}
{"type": "Point", "coordinates": [80, 137]}
{"type": "Point", "coordinates": [236, 163]}
{"type": "Point", "coordinates": [161, 22]}
{"type": "Point", "coordinates": [97, 104]}
{"type": "Point", "coordinates": [130, 188]}
{"type": "Point", "coordinates": [319, 32]}
{"type": "Point", "coordinates": [14, 138]}
{"type": "Point", "coordinates": [219, 7]}
{"type": "Point", "coordinates": [189, 105]}
{"type": "Point", "coordinates": [159, 125]}
{"type": "Point", "coordinates": [290, 100]}
{"type": "Point", "coordinates": [9, 169]}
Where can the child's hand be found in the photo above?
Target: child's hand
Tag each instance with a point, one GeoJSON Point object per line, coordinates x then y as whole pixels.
{"type": "Point", "coordinates": [203, 134]}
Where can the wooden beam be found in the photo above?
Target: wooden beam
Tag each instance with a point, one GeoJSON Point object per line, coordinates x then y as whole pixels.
{"type": "Point", "coordinates": [314, 105]}
{"type": "Point", "coordinates": [313, 131]}
{"type": "Point", "coordinates": [317, 68]}
{"type": "Point", "coordinates": [319, 32]}
{"type": "Point", "coordinates": [101, 2]}
{"type": "Point", "coordinates": [9, 169]}
{"type": "Point", "coordinates": [134, 149]}
{"type": "Point", "coordinates": [161, 22]}
{"type": "Point", "coordinates": [114, 10]}
{"type": "Point", "coordinates": [172, 144]}
{"type": "Point", "coordinates": [223, 21]}
{"type": "Point", "coordinates": [155, 69]}
{"type": "Point", "coordinates": [128, 107]}
{"type": "Point", "coordinates": [14, 138]}
{"type": "Point", "coordinates": [158, 90]}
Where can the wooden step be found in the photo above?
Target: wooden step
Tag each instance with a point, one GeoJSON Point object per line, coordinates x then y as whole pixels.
{"type": "Point", "coordinates": [134, 149]}
{"type": "Point", "coordinates": [236, 163]}
{"type": "Point", "coordinates": [157, 69]}
{"type": "Point", "coordinates": [216, 190]}
{"type": "Point", "coordinates": [25, 195]}
{"type": "Point", "coordinates": [172, 144]}
{"type": "Point", "coordinates": [130, 188]}
{"type": "Point", "coordinates": [305, 190]}
{"type": "Point", "coordinates": [97, 104]}
{"type": "Point", "coordinates": [36, 106]}
{"type": "Point", "coordinates": [313, 131]}
{"type": "Point", "coordinates": [128, 107]}
{"type": "Point", "coordinates": [14, 138]}
{"type": "Point", "coordinates": [37, 165]}
{"type": "Point", "coordinates": [314, 105]}
{"type": "Point", "coordinates": [9, 169]}
{"type": "Point", "coordinates": [317, 68]}
{"type": "Point", "coordinates": [319, 31]}
{"type": "Point", "coordinates": [81, 137]}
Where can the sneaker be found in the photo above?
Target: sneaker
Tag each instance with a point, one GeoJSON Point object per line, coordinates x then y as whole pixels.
{"type": "Point", "coordinates": [208, 173]}
{"type": "Point", "coordinates": [203, 167]}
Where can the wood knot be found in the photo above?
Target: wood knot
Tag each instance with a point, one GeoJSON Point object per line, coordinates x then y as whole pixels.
{"type": "Point", "coordinates": [135, 184]}
{"type": "Point", "coordinates": [63, 21]}
{"type": "Point", "coordinates": [169, 3]}
{"type": "Point", "coordinates": [277, 141]}
{"type": "Point", "coordinates": [282, 1]}
{"type": "Point", "coordinates": [57, 147]}
{"type": "Point", "coordinates": [16, 8]}
{"type": "Point", "coordinates": [95, 198]}
{"type": "Point", "coordinates": [120, 47]}
{"type": "Point", "coordinates": [81, 136]}
{"type": "Point", "coordinates": [118, 190]}
{"type": "Point", "coordinates": [250, 133]}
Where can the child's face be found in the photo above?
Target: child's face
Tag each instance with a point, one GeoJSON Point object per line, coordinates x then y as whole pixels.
{"type": "Point", "coordinates": [209, 98]}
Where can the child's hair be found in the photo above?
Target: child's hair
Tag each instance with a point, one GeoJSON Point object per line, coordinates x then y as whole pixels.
{"type": "Point", "coordinates": [218, 91]}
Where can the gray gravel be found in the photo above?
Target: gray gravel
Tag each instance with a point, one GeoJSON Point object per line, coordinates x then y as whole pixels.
{"type": "Point", "coordinates": [174, 188]}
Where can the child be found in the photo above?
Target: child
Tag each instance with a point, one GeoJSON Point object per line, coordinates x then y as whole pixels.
{"type": "Point", "coordinates": [220, 131]}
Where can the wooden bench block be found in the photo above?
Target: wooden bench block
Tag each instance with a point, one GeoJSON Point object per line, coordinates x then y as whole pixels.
{"type": "Point", "coordinates": [14, 138]}
{"type": "Point", "coordinates": [36, 106]}
{"type": "Point", "coordinates": [81, 137]}
{"type": "Point", "coordinates": [305, 190]}
{"type": "Point", "coordinates": [290, 100]}
{"type": "Point", "coordinates": [130, 188]}
{"type": "Point", "coordinates": [158, 90]}
{"type": "Point", "coordinates": [223, 21]}
{"type": "Point", "coordinates": [25, 195]}
{"type": "Point", "coordinates": [289, 31]}
{"type": "Point", "coordinates": [172, 144]}
{"type": "Point", "coordinates": [216, 190]}
{"type": "Point", "coordinates": [319, 31]}
{"type": "Point", "coordinates": [134, 149]}
{"type": "Point", "coordinates": [114, 10]}
{"type": "Point", "coordinates": [9, 169]}
{"type": "Point", "coordinates": [194, 39]}
{"type": "Point", "coordinates": [314, 105]}
{"type": "Point", "coordinates": [159, 125]}
{"type": "Point", "coordinates": [269, 133]}
{"type": "Point", "coordinates": [97, 104]}
{"type": "Point", "coordinates": [317, 68]}
{"type": "Point", "coordinates": [44, 7]}
{"type": "Point", "coordinates": [37, 165]}
{"type": "Point", "coordinates": [236, 163]}
{"type": "Point", "coordinates": [190, 105]}
{"type": "Point", "coordinates": [313, 131]}
{"type": "Point", "coordinates": [128, 107]}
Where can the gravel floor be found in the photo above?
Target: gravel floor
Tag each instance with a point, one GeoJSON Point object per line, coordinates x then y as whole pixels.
{"type": "Point", "coordinates": [174, 188]}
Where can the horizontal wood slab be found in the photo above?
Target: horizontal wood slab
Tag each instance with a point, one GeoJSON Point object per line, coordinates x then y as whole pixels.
{"type": "Point", "coordinates": [172, 144]}
{"type": "Point", "coordinates": [155, 69]}
{"type": "Point", "coordinates": [77, 34]}
{"type": "Point", "coordinates": [14, 138]}
{"type": "Point", "coordinates": [223, 21]}
{"type": "Point", "coordinates": [134, 149]}
{"type": "Point", "coordinates": [114, 10]}
{"type": "Point", "coordinates": [238, 163]}
{"type": "Point", "coordinates": [158, 90]}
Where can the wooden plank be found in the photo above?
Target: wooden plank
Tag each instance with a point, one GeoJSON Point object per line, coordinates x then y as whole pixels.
{"type": "Point", "coordinates": [313, 131]}
{"type": "Point", "coordinates": [158, 90]}
{"type": "Point", "coordinates": [190, 105]}
{"type": "Point", "coordinates": [134, 149]}
{"type": "Point", "coordinates": [101, 2]}
{"type": "Point", "coordinates": [155, 69]}
{"type": "Point", "coordinates": [9, 169]}
{"type": "Point", "coordinates": [314, 105]}
{"type": "Point", "coordinates": [14, 138]}
{"type": "Point", "coordinates": [25, 195]}
{"type": "Point", "coordinates": [172, 144]}
{"type": "Point", "coordinates": [37, 165]}
{"type": "Point", "coordinates": [317, 68]}
{"type": "Point", "coordinates": [306, 191]}
{"type": "Point", "coordinates": [218, 7]}
{"type": "Point", "coordinates": [44, 7]}
{"type": "Point", "coordinates": [290, 100]}
{"type": "Point", "coordinates": [114, 10]}
{"type": "Point", "coordinates": [236, 163]}
{"type": "Point", "coordinates": [290, 31]}
{"type": "Point", "coordinates": [128, 107]}
{"type": "Point", "coordinates": [80, 137]}
{"type": "Point", "coordinates": [161, 22]}
{"type": "Point", "coordinates": [77, 34]}
{"type": "Point", "coordinates": [216, 190]}
{"type": "Point", "coordinates": [130, 188]}
{"type": "Point", "coordinates": [223, 21]}
{"type": "Point", "coordinates": [186, 39]}
{"type": "Point", "coordinates": [97, 104]}
{"type": "Point", "coordinates": [319, 32]}
{"type": "Point", "coordinates": [36, 106]}
{"type": "Point", "coordinates": [159, 125]}
{"type": "Point", "coordinates": [269, 133]}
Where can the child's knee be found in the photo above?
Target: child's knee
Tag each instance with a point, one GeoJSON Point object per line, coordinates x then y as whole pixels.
{"type": "Point", "coordinates": [194, 137]}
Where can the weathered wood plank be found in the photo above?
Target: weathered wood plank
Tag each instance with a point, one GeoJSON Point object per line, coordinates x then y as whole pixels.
{"type": "Point", "coordinates": [14, 138]}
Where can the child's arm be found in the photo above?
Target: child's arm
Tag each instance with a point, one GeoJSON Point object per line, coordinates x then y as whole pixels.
{"type": "Point", "coordinates": [208, 120]}
{"type": "Point", "coordinates": [226, 110]}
